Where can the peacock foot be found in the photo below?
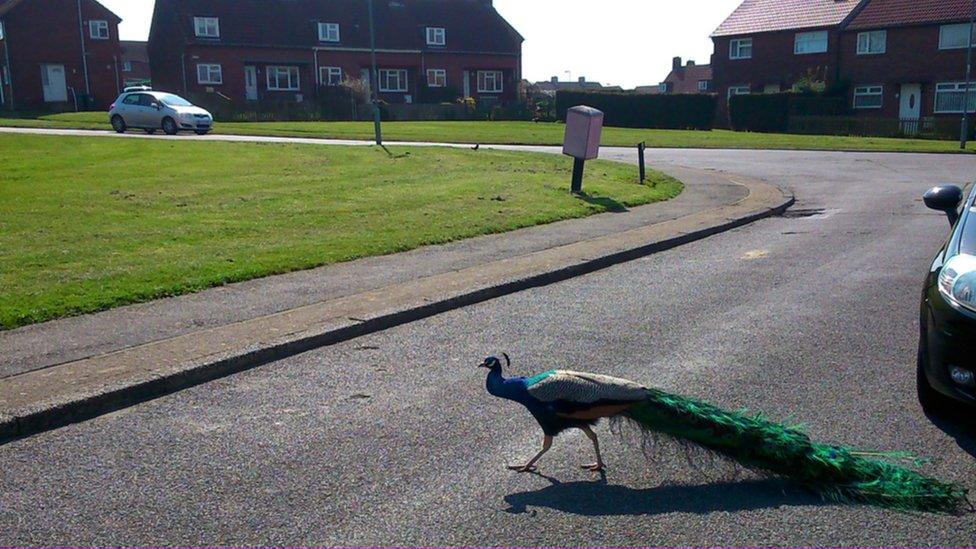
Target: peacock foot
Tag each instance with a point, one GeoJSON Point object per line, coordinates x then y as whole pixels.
{"type": "Point", "coordinates": [595, 467]}
{"type": "Point", "coordinates": [523, 468]}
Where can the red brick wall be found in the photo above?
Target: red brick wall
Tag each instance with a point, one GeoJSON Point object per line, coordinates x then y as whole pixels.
{"type": "Point", "coordinates": [47, 32]}
{"type": "Point", "coordinates": [773, 62]}
{"type": "Point", "coordinates": [912, 56]}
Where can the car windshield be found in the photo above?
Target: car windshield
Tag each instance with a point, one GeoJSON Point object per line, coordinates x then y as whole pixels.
{"type": "Point", "coordinates": [171, 100]}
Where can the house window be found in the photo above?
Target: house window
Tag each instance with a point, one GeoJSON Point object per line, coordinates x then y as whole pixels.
{"type": "Point", "coordinates": [739, 90]}
{"type": "Point", "coordinates": [663, 87]}
{"type": "Point", "coordinates": [872, 43]}
{"type": "Point", "coordinates": [98, 30]}
{"type": "Point", "coordinates": [953, 37]}
{"type": "Point", "coordinates": [393, 80]}
{"type": "Point", "coordinates": [436, 36]}
{"type": "Point", "coordinates": [868, 97]}
{"type": "Point", "coordinates": [950, 97]}
{"type": "Point", "coordinates": [209, 74]}
{"type": "Point", "coordinates": [1, 30]}
{"type": "Point", "coordinates": [490, 82]}
{"type": "Point", "coordinates": [126, 66]}
{"type": "Point", "coordinates": [436, 78]}
{"type": "Point", "coordinates": [740, 48]}
{"type": "Point", "coordinates": [283, 79]}
{"type": "Point", "coordinates": [206, 27]}
{"type": "Point", "coordinates": [704, 85]}
{"type": "Point", "coordinates": [330, 76]}
{"type": "Point", "coordinates": [810, 42]}
{"type": "Point", "coordinates": [328, 32]}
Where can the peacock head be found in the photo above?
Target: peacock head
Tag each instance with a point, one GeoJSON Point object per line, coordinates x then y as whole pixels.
{"type": "Point", "coordinates": [492, 363]}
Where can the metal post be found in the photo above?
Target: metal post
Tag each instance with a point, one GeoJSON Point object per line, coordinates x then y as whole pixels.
{"type": "Point", "coordinates": [578, 165]}
{"type": "Point", "coordinates": [640, 160]}
{"type": "Point", "coordinates": [374, 85]}
{"type": "Point", "coordinates": [964, 131]}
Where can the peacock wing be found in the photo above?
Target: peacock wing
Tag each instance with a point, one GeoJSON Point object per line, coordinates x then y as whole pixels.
{"type": "Point", "coordinates": [579, 388]}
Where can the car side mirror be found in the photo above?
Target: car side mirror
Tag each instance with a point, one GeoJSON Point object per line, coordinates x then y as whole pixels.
{"type": "Point", "coordinates": [946, 199]}
{"type": "Point", "coordinates": [155, 106]}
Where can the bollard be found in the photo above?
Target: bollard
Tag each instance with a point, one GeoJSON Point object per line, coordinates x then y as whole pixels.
{"type": "Point", "coordinates": [641, 147]}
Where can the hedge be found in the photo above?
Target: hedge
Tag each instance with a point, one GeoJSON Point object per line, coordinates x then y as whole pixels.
{"type": "Point", "coordinates": [631, 110]}
{"type": "Point", "coordinates": [771, 112]}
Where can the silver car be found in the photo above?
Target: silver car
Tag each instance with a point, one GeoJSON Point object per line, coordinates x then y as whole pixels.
{"type": "Point", "coordinates": [152, 110]}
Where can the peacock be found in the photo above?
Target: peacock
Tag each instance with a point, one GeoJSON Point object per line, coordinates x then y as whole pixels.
{"type": "Point", "coordinates": [561, 399]}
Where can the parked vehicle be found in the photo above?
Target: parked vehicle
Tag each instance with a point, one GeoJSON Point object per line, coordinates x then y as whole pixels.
{"type": "Point", "coordinates": [947, 343]}
{"type": "Point", "coordinates": [153, 110]}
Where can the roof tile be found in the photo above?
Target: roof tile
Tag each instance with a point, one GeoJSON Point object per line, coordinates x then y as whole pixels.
{"type": "Point", "coordinates": [895, 13]}
{"type": "Point", "coordinates": [756, 16]}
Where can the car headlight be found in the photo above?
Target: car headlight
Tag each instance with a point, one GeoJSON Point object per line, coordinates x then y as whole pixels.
{"type": "Point", "coordinates": [957, 281]}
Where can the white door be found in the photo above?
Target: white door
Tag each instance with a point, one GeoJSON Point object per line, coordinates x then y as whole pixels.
{"type": "Point", "coordinates": [911, 108]}
{"type": "Point", "coordinates": [467, 83]}
{"type": "Point", "coordinates": [53, 82]}
{"type": "Point", "coordinates": [365, 76]}
{"type": "Point", "coordinates": [251, 83]}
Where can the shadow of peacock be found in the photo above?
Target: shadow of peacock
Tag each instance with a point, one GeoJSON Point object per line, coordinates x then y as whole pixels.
{"type": "Point", "coordinates": [560, 400]}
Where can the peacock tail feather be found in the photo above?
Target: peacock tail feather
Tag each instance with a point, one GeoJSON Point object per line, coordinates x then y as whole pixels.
{"type": "Point", "coordinates": [837, 473]}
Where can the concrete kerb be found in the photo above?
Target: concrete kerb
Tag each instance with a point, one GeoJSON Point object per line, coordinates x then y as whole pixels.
{"type": "Point", "coordinates": [463, 288]}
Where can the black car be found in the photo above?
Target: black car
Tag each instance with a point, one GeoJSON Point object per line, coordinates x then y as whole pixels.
{"type": "Point", "coordinates": [947, 346]}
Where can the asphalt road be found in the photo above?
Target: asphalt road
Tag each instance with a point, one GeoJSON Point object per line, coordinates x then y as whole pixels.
{"type": "Point", "coordinates": [391, 439]}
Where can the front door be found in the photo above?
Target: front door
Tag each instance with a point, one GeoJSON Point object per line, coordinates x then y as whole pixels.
{"type": "Point", "coordinates": [251, 83]}
{"type": "Point", "coordinates": [53, 82]}
{"type": "Point", "coordinates": [911, 107]}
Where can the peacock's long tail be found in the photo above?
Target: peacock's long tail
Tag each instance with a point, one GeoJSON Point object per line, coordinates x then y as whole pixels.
{"type": "Point", "coordinates": [837, 473]}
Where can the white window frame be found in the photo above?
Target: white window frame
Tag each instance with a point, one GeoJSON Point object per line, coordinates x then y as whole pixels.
{"type": "Point", "coordinates": [741, 89]}
{"type": "Point", "coordinates": [127, 66]}
{"type": "Point", "coordinates": [870, 91]}
{"type": "Point", "coordinates": [206, 27]}
{"type": "Point", "coordinates": [95, 28]}
{"type": "Point", "coordinates": [955, 88]}
{"type": "Point", "coordinates": [868, 42]}
{"type": "Point", "coordinates": [210, 73]}
{"type": "Point", "coordinates": [329, 32]}
{"type": "Point", "coordinates": [436, 36]}
{"type": "Point", "coordinates": [436, 78]}
{"type": "Point", "coordinates": [963, 28]}
{"type": "Point", "coordinates": [736, 45]}
{"type": "Point", "coordinates": [804, 42]}
{"type": "Point", "coordinates": [326, 75]}
{"type": "Point", "coordinates": [498, 81]}
{"type": "Point", "coordinates": [2, 33]}
{"type": "Point", "coordinates": [402, 82]}
{"type": "Point", "coordinates": [283, 70]}
{"type": "Point", "coordinates": [704, 85]}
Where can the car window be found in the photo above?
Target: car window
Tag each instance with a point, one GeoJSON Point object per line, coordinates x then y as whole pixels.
{"type": "Point", "coordinates": [146, 100]}
{"type": "Point", "coordinates": [131, 99]}
{"type": "Point", "coordinates": [174, 100]}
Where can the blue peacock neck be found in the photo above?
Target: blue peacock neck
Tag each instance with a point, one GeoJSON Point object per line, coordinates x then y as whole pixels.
{"type": "Point", "coordinates": [511, 389]}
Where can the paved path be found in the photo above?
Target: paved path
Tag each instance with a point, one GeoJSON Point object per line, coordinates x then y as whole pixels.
{"type": "Point", "coordinates": [390, 439]}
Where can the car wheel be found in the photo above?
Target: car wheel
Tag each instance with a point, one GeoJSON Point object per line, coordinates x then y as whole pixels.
{"type": "Point", "coordinates": [169, 126]}
{"type": "Point", "coordinates": [202, 132]}
{"type": "Point", "coordinates": [931, 400]}
{"type": "Point", "coordinates": [118, 124]}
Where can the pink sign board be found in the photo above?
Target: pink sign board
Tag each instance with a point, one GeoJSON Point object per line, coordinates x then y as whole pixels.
{"type": "Point", "coordinates": [583, 128]}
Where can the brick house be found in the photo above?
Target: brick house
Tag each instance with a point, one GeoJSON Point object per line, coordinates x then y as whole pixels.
{"type": "Point", "coordinates": [135, 63]}
{"type": "Point", "coordinates": [56, 53]}
{"type": "Point", "coordinates": [689, 78]}
{"type": "Point", "coordinates": [906, 59]}
{"type": "Point", "coordinates": [766, 46]}
{"type": "Point", "coordinates": [251, 50]}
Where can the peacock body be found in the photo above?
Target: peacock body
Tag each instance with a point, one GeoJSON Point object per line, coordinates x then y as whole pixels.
{"type": "Point", "coordinates": [563, 399]}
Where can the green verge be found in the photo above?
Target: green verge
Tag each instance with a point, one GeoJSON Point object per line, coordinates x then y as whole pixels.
{"type": "Point", "coordinates": [89, 224]}
{"type": "Point", "coordinates": [528, 133]}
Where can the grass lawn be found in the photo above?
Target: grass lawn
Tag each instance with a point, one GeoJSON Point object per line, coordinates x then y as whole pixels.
{"type": "Point", "coordinates": [529, 133]}
{"type": "Point", "coordinates": [88, 224]}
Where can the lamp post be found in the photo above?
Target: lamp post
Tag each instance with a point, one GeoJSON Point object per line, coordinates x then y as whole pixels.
{"type": "Point", "coordinates": [374, 85]}
{"type": "Point", "coordinates": [964, 131]}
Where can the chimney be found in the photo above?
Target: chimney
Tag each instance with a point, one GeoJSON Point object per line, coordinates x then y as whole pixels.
{"type": "Point", "coordinates": [555, 80]}
{"type": "Point", "coordinates": [582, 80]}
{"type": "Point", "coordinates": [676, 64]}
{"type": "Point", "coordinates": [691, 63]}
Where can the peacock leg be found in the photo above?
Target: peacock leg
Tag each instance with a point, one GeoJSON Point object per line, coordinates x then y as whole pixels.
{"type": "Point", "coordinates": [530, 466]}
{"type": "Point", "coordinates": [598, 466]}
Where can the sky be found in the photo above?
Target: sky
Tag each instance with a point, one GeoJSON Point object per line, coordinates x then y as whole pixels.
{"type": "Point", "coordinates": [616, 42]}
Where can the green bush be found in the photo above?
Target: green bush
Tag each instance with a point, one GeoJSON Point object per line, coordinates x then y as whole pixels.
{"type": "Point", "coordinates": [630, 110]}
{"type": "Point", "coordinates": [771, 112]}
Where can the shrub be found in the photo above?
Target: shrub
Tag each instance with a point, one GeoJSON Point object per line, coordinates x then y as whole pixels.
{"type": "Point", "coordinates": [630, 110]}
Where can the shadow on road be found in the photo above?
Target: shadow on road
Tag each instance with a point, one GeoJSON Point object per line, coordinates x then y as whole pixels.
{"type": "Point", "coordinates": [959, 427]}
{"type": "Point", "coordinates": [602, 499]}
